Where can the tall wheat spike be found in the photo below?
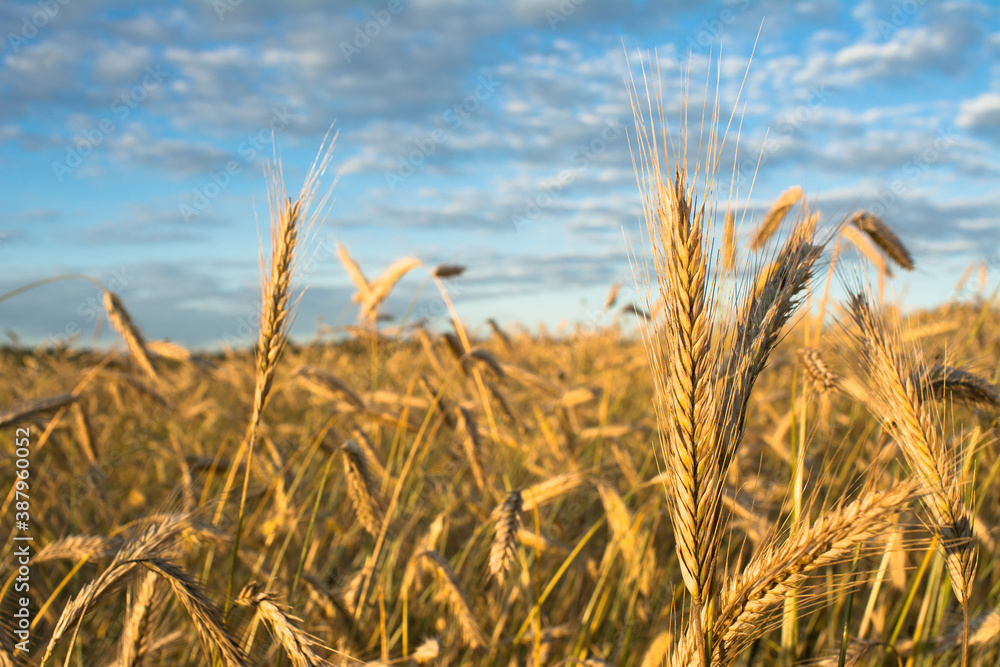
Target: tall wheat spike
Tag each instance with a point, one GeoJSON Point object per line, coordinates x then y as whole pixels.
{"type": "Point", "coordinates": [158, 536]}
{"type": "Point", "coordinates": [702, 393]}
{"type": "Point", "coordinates": [291, 223]}
{"type": "Point", "coordinates": [681, 360]}
{"type": "Point", "coordinates": [823, 378]}
{"type": "Point", "coordinates": [355, 274]}
{"type": "Point", "coordinates": [379, 289]}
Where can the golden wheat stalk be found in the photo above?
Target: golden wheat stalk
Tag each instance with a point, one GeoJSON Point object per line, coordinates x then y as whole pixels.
{"type": "Point", "coordinates": [471, 443]}
{"type": "Point", "coordinates": [681, 362]}
{"type": "Point", "coordinates": [298, 644]}
{"type": "Point", "coordinates": [549, 489]}
{"type": "Point", "coordinates": [215, 637]}
{"type": "Point", "coordinates": [78, 547]}
{"type": "Point", "coordinates": [500, 333]}
{"type": "Point", "coordinates": [362, 488]}
{"type": "Point", "coordinates": [290, 226]}
{"type": "Point", "coordinates": [327, 384]}
{"type": "Point", "coordinates": [728, 259]}
{"type": "Point", "coordinates": [453, 594]}
{"type": "Point", "coordinates": [368, 449]}
{"type": "Point", "coordinates": [123, 324]}
{"type": "Point", "coordinates": [351, 592]}
{"type": "Point", "coordinates": [134, 633]}
{"type": "Point", "coordinates": [503, 550]}
{"type": "Point", "coordinates": [159, 533]}
{"type": "Point", "coordinates": [899, 390]}
{"type": "Point", "coordinates": [381, 286]}
{"type": "Point", "coordinates": [355, 274]}
{"type": "Point", "coordinates": [612, 297]}
{"type": "Point", "coordinates": [884, 238]}
{"type": "Point", "coordinates": [775, 216]}
{"type": "Point", "coordinates": [169, 350]}
{"type": "Point", "coordinates": [29, 409]}
{"type": "Point", "coordinates": [867, 247]}
{"type": "Point", "coordinates": [747, 603]}
{"type": "Point", "coordinates": [84, 436]}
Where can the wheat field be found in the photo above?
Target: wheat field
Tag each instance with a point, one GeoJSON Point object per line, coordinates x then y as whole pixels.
{"type": "Point", "coordinates": [735, 470]}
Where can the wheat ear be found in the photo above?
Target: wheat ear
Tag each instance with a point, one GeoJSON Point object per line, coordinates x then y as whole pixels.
{"type": "Point", "coordinates": [775, 216]}
{"type": "Point", "coordinates": [746, 602]}
{"type": "Point", "coordinates": [133, 634]}
{"type": "Point", "coordinates": [289, 225]}
{"type": "Point", "coordinates": [452, 592]}
{"type": "Point", "coordinates": [899, 391]}
{"type": "Point", "coordinates": [354, 272]}
{"type": "Point", "coordinates": [957, 384]}
{"type": "Point", "coordinates": [361, 488]}
{"type": "Point", "coordinates": [381, 286]}
{"type": "Point", "coordinates": [130, 333]}
{"type": "Point", "coordinates": [298, 645]}
{"type": "Point", "coordinates": [29, 409]}
{"type": "Point", "coordinates": [822, 377]}
{"type": "Point", "coordinates": [503, 551]}
{"type": "Point", "coordinates": [884, 238]}
{"type": "Point", "coordinates": [215, 638]}
{"type": "Point", "coordinates": [728, 260]}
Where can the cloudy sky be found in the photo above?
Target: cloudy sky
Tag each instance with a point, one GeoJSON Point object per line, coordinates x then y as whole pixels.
{"type": "Point", "coordinates": [133, 141]}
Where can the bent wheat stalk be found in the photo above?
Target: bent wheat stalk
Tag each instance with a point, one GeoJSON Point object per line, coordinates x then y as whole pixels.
{"type": "Point", "coordinates": [899, 392]}
{"type": "Point", "coordinates": [130, 333]}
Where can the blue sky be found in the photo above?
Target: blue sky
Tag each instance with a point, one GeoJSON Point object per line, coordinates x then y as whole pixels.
{"type": "Point", "coordinates": [456, 119]}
